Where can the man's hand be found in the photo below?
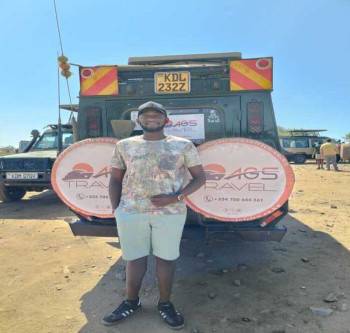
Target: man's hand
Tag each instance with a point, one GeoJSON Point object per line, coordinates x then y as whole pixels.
{"type": "Point", "coordinates": [198, 180]}
{"type": "Point", "coordinates": [162, 200]}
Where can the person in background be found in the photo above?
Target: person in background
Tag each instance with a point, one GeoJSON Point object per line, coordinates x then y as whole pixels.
{"type": "Point", "coordinates": [317, 155]}
{"type": "Point", "coordinates": [338, 145]}
{"type": "Point", "coordinates": [328, 152]}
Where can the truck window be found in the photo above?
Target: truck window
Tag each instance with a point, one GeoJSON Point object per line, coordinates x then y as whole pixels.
{"type": "Point", "coordinates": [302, 143]}
{"type": "Point", "coordinates": [317, 140]}
{"type": "Point", "coordinates": [195, 124]}
{"type": "Point", "coordinates": [285, 143]}
{"type": "Point", "coordinates": [295, 143]}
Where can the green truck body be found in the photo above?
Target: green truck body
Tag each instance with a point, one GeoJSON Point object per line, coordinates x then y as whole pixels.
{"type": "Point", "coordinates": [227, 114]}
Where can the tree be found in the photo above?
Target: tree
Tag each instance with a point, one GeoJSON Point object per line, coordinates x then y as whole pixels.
{"type": "Point", "coordinates": [7, 150]}
{"type": "Point", "coordinates": [347, 136]}
{"type": "Point", "coordinates": [282, 131]}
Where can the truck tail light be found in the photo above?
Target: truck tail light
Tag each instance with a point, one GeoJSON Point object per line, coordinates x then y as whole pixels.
{"type": "Point", "coordinates": [93, 122]}
{"type": "Point", "coordinates": [255, 117]}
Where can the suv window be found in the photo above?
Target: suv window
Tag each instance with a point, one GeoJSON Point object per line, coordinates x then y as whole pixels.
{"type": "Point", "coordinates": [295, 143]}
{"type": "Point", "coordinates": [67, 139]}
{"type": "Point", "coordinates": [318, 140]}
{"type": "Point", "coordinates": [49, 141]}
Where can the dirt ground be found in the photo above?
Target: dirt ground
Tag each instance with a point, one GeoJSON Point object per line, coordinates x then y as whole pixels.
{"type": "Point", "coordinates": [51, 281]}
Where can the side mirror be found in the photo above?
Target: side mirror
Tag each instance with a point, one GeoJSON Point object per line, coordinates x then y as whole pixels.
{"type": "Point", "coordinates": [35, 133]}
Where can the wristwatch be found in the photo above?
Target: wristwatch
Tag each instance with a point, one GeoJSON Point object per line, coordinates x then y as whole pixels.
{"type": "Point", "coordinates": [180, 197]}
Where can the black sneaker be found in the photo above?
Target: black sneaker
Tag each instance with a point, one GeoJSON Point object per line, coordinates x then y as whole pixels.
{"type": "Point", "coordinates": [123, 311]}
{"type": "Point", "coordinates": [173, 318]}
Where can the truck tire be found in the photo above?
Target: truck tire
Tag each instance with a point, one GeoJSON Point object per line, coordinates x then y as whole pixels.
{"type": "Point", "coordinates": [8, 194]}
{"type": "Point", "coordinates": [299, 159]}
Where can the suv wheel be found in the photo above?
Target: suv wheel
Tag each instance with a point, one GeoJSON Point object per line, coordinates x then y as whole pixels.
{"type": "Point", "coordinates": [8, 194]}
{"type": "Point", "coordinates": [299, 159]}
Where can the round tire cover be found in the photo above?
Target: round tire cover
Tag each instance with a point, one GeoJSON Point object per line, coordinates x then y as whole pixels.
{"type": "Point", "coordinates": [246, 180]}
{"type": "Point", "coordinates": [80, 176]}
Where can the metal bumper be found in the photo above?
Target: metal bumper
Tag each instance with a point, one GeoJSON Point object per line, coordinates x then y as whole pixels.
{"type": "Point", "coordinates": [274, 234]}
{"type": "Point", "coordinates": [85, 228]}
{"type": "Point", "coordinates": [29, 184]}
{"type": "Point", "coordinates": [44, 181]}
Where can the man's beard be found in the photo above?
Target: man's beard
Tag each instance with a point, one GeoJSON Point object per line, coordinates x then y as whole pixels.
{"type": "Point", "coordinates": [153, 129]}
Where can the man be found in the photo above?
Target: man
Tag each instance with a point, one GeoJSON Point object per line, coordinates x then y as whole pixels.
{"type": "Point", "coordinates": [328, 152]}
{"type": "Point", "coordinates": [147, 189]}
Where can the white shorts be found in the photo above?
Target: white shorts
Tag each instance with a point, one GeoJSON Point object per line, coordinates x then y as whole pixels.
{"type": "Point", "coordinates": [144, 234]}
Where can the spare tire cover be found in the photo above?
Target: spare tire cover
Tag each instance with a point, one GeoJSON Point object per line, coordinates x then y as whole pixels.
{"type": "Point", "coordinates": [80, 176]}
{"type": "Point", "coordinates": [246, 180]}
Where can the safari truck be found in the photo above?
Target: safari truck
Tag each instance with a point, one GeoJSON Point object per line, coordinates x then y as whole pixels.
{"type": "Point", "coordinates": [299, 143]}
{"type": "Point", "coordinates": [31, 170]}
{"type": "Point", "coordinates": [208, 97]}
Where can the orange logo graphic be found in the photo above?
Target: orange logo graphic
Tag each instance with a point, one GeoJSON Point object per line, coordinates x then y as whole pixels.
{"type": "Point", "coordinates": [80, 171]}
{"type": "Point", "coordinates": [214, 171]}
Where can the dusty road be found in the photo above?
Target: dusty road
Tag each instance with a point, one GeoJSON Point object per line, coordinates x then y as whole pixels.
{"type": "Point", "coordinates": [53, 282]}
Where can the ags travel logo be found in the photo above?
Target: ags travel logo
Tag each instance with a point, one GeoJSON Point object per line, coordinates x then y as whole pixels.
{"type": "Point", "coordinates": [80, 176]}
{"type": "Point", "coordinates": [245, 180]}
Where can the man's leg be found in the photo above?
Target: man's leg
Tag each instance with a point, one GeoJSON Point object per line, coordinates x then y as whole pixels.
{"type": "Point", "coordinates": [135, 239]}
{"type": "Point", "coordinates": [165, 274]}
{"type": "Point", "coordinates": [135, 271]}
{"type": "Point", "coordinates": [166, 238]}
{"type": "Point", "coordinates": [334, 162]}
{"type": "Point", "coordinates": [328, 162]}
{"type": "Point", "coordinates": [134, 236]}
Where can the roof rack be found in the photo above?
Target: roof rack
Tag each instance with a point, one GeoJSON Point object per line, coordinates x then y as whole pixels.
{"type": "Point", "coordinates": [55, 126]}
{"type": "Point", "coordinates": [303, 132]}
{"type": "Point", "coordinates": [187, 58]}
{"type": "Point", "coordinates": [73, 107]}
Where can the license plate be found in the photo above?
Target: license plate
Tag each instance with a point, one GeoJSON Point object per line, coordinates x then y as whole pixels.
{"type": "Point", "coordinates": [172, 82]}
{"type": "Point", "coordinates": [21, 175]}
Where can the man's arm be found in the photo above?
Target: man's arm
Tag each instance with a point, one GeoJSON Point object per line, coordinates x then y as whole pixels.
{"type": "Point", "coordinates": [198, 180]}
{"type": "Point", "coordinates": [115, 186]}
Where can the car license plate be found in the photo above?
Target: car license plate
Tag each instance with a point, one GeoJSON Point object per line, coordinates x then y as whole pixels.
{"type": "Point", "coordinates": [21, 175]}
{"type": "Point", "coordinates": [172, 82]}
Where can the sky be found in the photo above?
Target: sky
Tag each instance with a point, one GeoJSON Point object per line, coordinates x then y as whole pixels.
{"type": "Point", "coordinates": [309, 41]}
